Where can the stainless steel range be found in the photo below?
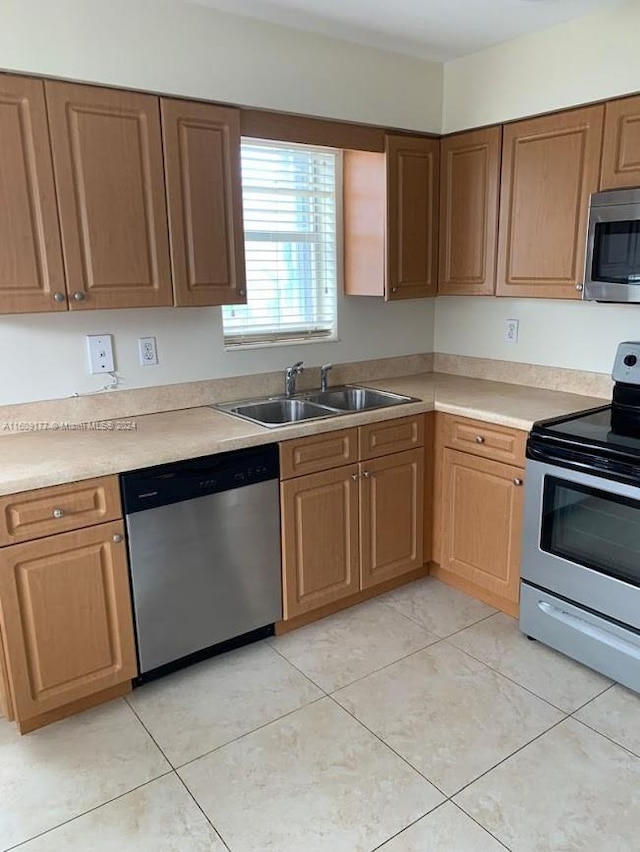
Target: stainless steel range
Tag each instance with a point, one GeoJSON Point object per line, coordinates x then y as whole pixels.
{"type": "Point", "coordinates": [580, 587]}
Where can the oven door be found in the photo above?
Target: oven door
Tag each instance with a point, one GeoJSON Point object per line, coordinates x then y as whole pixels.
{"type": "Point", "coordinates": [612, 267]}
{"type": "Point", "coordinates": [581, 540]}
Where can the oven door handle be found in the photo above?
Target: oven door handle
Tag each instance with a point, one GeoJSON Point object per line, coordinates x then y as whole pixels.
{"type": "Point", "coordinates": [588, 629]}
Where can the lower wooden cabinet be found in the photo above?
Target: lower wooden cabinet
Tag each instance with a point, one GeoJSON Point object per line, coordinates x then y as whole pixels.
{"type": "Point", "coordinates": [391, 513]}
{"type": "Point", "coordinates": [66, 619]}
{"type": "Point", "coordinates": [321, 550]}
{"type": "Point", "coordinates": [478, 514]}
{"type": "Point", "coordinates": [356, 526]}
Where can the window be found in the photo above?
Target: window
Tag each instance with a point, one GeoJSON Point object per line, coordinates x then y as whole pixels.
{"type": "Point", "coordinates": [289, 200]}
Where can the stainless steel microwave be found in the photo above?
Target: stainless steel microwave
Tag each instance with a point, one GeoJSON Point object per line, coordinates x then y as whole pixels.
{"type": "Point", "coordinates": [612, 268]}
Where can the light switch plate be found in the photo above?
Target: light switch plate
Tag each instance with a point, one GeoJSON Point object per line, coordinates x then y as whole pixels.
{"type": "Point", "coordinates": [100, 352]}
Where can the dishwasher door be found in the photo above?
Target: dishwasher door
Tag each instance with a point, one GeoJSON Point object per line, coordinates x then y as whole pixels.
{"type": "Point", "coordinates": [204, 570]}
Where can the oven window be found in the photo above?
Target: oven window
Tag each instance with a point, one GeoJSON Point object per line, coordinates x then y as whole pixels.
{"type": "Point", "coordinates": [616, 252]}
{"type": "Point", "coordinates": [592, 528]}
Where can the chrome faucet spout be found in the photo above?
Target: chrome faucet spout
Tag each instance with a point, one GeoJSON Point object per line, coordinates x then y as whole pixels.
{"type": "Point", "coordinates": [290, 376]}
{"type": "Point", "coordinates": [324, 376]}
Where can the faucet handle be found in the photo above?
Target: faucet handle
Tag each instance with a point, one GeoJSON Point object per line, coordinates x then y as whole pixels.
{"type": "Point", "coordinates": [298, 367]}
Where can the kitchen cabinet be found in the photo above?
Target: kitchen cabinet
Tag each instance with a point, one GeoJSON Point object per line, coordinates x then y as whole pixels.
{"type": "Point", "coordinates": [391, 516]}
{"type": "Point", "coordinates": [31, 267]}
{"type": "Point", "coordinates": [469, 193]}
{"type": "Point", "coordinates": [107, 158]}
{"type": "Point", "coordinates": [6, 702]}
{"type": "Point", "coordinates": [550, 166]}
{"type": "Point", "coordinates": [478, 509]}
{"type": "Point", "coordinates": [391, 219]}
{"type": "Point", "coordinates": [320, 541]}
{"type": "Point", "coordinates": [621, 145]}
{"type": "Point", "coordinates": [65, 609]}
{"type": "Point", "coordinates": [352, 527]}
{"type": "Point", "coordinates": [202, 163]}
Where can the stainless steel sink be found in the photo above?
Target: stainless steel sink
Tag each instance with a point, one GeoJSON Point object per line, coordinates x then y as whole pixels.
{"type": "Point", "coordinates": [350, 398]}
{"type": "Point", "coordinates": [312, 405]}
{"type": "Point", "coordinates": [276, 412]}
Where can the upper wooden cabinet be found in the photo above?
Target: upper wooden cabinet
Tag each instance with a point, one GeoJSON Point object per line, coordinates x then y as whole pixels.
{"type": "Point", "coordinates": [202, 163]}
{"type": "Point", "coordinates": [107, 156]}
{"type": "Point", "coordinates": [412, 216]}
{"type": "Point", "coordinates": [550, 166]}
{"type": "Point", "coordinates": [621, 147]}
{"type": "Point", "coordinates": [31, 269]}
{"type": "Point", "coordinates": [391, 219]}
{"type": "Point", "coordinates": [469, 195]}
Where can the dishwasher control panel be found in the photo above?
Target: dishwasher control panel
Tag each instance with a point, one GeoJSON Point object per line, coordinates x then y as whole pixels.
{"type": "Point", "coordinates": [192, 478]}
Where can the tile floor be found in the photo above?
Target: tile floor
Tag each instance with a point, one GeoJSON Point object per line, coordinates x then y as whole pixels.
{"type": "Point", "coordinates": [421, 721]}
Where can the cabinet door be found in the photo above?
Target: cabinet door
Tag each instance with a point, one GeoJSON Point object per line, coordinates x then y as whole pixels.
{"type": "Point", "coordinates": [550, 166]}
{"type": "Point", "coordinates": [412, 217]}
{"type": "Point", "coordinates": [67, 621]}
{"type": "Point", "coordinates": [204, 192]}
{"type": "Point", "coordinates": [482, 522]}
{"type": "Point", "coordinates": [31, 269]}
{"type": "Point", "coordinates": [469, 183]}
{"type": "Point", "coordinates": [391, 516]}
{"type": "Point", "coordinates": [320, 552]}
{"type": "Point", "coordinates": [621, 147]}
{"type": "Point", "coordinates": [107, 157]}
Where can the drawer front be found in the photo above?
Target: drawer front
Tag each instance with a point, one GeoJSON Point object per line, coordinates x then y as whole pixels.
{"type": "Point", "coordinates": [391, 436]}
{"type": "Point", "coordinates": [484, 439]}
{"type": "Point", "coordinates": [62, 508]}
{"type": "Point", "coordinates": [318, 452]}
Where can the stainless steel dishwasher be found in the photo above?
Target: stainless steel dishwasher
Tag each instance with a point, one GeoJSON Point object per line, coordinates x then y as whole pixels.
{"type": "Point", "coordinates": [204, 554]}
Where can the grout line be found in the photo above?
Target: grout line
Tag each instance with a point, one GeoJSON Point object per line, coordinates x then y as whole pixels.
{"type": "Point", "coordinates": [392, 749]}
{"type": "Point", "coordinates": [409, 825]}
{"type": "Point", "coordinates": [483, 827]}
{"type": "Point", "coordinates": [602, 692]}
{"type": "Point", "coordinates": [510, 679]}
{"type": "Point", "coordinates": [299, 670]}
{"type": "Point", "coordinates": [606, 737]}
{"type": "Point", "coordinates": [203, 812]}
{"type": "Point", "coordinates": [90, 810]}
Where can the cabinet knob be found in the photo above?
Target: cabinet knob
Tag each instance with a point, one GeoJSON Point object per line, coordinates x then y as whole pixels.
{"type": "Point", "coordinates": [355, 476]}
{"type": "Point", "coordinates": [518, 481]}
{"type": "Point", "coordinates": [79, 296]}
{"type": "Point", "coordinates": [367, 474]}
{"type": "Point", "coordinates": [59, 297]}
{"type": "Point", "coordinates": [394, 289]}
{"type": "Point", "coordinates": [242, 292]}
{"type": "Point", "coordinates": [58, 513]}
{"type": "Point", "coordinates": [479, 439]}
{"type": "Point", "coordinates": [117, 538]}
{"type": "Point", "coordinates": [579, 287]}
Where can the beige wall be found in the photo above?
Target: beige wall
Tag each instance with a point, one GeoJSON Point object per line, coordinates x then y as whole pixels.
{"type": "Point", "coordinates": [186, 49]}
{"type": "Point", "coordinates": [168, 46]}
{"type": "Point", "coordinates": [588, 59]}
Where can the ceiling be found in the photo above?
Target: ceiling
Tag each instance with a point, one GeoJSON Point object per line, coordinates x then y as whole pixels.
{"type": "Point", "coordinates": [439, 30]}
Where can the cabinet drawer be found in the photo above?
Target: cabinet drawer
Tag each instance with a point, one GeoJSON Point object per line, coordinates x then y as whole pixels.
{"type": "Point", "coordinates": [318, 452]}
{"type": "Point", "coordinates": [61, 508]}
{"type": "Point", "coordinates": [483, 439]}
{"type": "Point", "coordinates": [391, 436]}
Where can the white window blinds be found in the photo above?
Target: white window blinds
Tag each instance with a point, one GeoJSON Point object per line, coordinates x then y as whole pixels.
{"type": "Point", "coordinates": [289, 200]}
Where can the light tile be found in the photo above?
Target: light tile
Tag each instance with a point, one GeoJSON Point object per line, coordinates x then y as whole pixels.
{"type": "Point", "coordinates": [449, 715]}
{"type": "Point", "coordinates": [437, 607]}
{"type": "Point", "coordinates": [203, 707]}
{"type": "Point", "coordinates": [59, 772]}
{"type": "Point", "coordinates": [616, 714]}
{"type": "Point", "coordinates": [556, 678]}
{"type": "Point", "coordinates": [570, 790]}
{"type": "Point", "coordinates": [313, 781]}
{"type": "Point", "coordinates": [344, 647]}
{"type": "Point", "coordinates": [447, 829]}
{"type": "Point", "coordinates": [159, 817]}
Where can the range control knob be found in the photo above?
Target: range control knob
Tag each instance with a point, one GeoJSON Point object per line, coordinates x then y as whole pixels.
{"type": "Point", "coordinates": [630, 360]}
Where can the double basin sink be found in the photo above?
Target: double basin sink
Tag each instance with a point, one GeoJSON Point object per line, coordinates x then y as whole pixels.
{"type": "Point", "coordinates": [313, 405]}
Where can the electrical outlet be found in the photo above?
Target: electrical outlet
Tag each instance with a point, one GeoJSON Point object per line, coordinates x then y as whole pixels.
{"type": "Point", "coordinates": [511, 327]}
{"type": "Point", "coordinates": [100, 352]}
{"type": "Point", "coordinates": [148, 351]}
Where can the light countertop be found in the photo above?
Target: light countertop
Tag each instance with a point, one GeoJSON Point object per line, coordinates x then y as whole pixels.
{"type": "Point", "coordinates": [34, 459]}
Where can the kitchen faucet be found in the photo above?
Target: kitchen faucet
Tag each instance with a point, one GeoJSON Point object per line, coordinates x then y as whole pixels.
{"type": "Point", "coordinates": [290, 376]}
{"type": "Point", "coordinates": [324, 376]}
